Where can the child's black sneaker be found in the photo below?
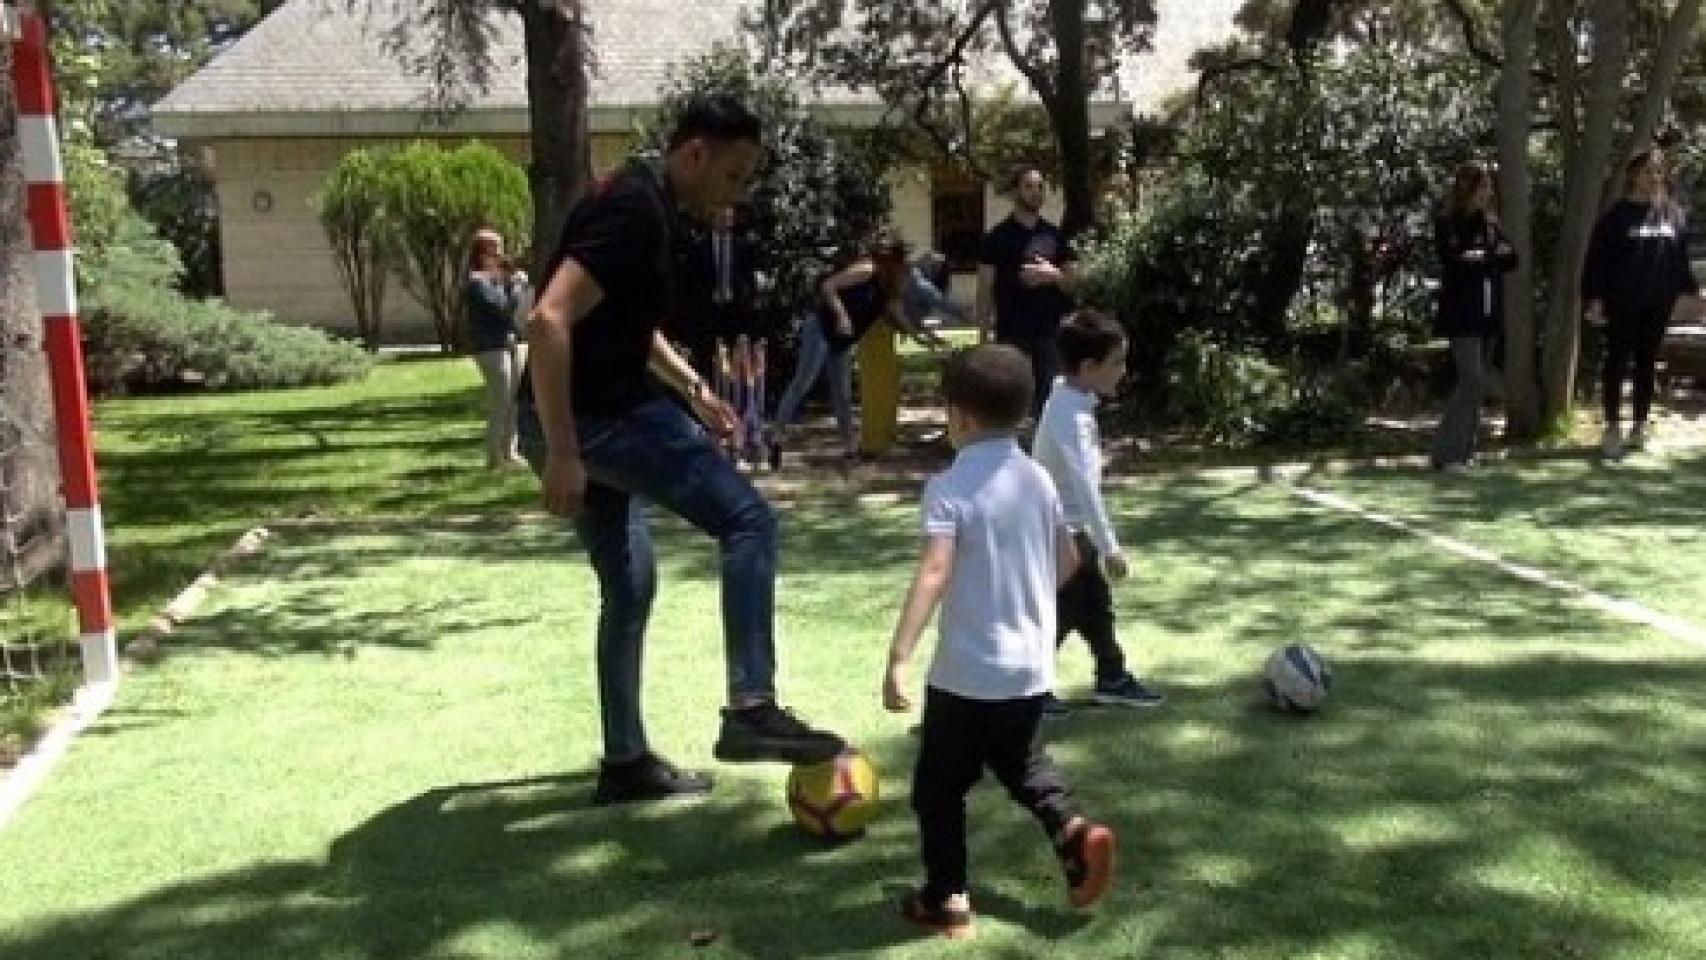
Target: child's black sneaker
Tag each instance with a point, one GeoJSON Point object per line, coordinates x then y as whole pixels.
{"type": "Point", "coordinates": [1087, 858]}
{"type": "Point", "coordinates": [768, 732]}
{"type": "Point", "coordinates": [650, 777]}
{"type": "Point", "coordinates": [954, 922]}
{"type": "Point", "coordinates": [1126, 691]}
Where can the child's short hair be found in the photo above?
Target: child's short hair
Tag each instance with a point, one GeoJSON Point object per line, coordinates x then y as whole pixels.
{"type": "Point", "coordinates": [1088, 336]}
{"type": "Point", "coordinates": [991, 382]}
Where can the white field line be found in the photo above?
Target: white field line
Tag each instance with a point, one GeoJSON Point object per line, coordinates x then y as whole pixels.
{"type": "Point", "coordinates": [1622, 609]}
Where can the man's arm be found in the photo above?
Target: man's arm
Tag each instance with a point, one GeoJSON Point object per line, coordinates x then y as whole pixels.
{"type": "Point", "coordinates": [929, 582]}
{"type": "Point", "coordinates": [674, 370]}
{"type": "Point", "coordinates": [570, 295]}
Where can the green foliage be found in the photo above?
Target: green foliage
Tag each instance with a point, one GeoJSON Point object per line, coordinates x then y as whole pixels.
{"type": "Point", "coordinates": [113, 58]}
{"type": "Point", "coordinates": [364, 241]}
{"type": "Point", "coordinates": [436, 199]}
{"type": "Point", "coordinates": [818, 195]}
{"type": "Point", "coordinates": [1296, 221]}
{"type": "Point", "coordinates": [1226, 393]}
{"type": "Point", "coordinates": [143, 334]}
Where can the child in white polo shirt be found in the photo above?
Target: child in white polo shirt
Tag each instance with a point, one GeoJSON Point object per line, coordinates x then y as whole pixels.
{"type": "Point", "coordinates": [996, 550]}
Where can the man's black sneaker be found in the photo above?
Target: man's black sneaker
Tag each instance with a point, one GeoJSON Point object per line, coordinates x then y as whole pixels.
{"type": "Point", "coordinates": [651, 777]}
{"type": "Point", "coordinates": [768, 732]}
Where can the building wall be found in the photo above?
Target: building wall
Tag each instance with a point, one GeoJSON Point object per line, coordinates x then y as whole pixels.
{"type": "Point", "coordinates": [275, 253]}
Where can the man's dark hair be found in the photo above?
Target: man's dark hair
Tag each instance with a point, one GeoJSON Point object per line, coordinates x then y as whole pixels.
{"type": "Point", "coordinates": [720, 118]}
{"type": "Point", "coordinates": [992, 382]}
{"type": "Point", "coordinates": [1088, 336]}
{"type": "Point", "coordinates": [1022, 170]}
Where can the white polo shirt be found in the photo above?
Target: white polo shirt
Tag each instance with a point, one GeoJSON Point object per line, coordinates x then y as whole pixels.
{"type": "Point", "coordinates": [997, 624]}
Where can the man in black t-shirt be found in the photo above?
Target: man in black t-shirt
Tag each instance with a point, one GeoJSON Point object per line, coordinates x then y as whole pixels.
{"type": "Point", "coordinates": [1025, 278]}
{"type": "Point", "coordinates": [606, 439]}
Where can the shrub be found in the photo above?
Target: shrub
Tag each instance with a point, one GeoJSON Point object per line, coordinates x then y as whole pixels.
{"type": "Point", "coordinates": [351, 208]}
{"type": "Point", "coordinates": [1226, 393]}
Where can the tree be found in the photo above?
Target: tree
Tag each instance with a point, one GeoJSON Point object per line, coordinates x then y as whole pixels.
{"type": "Point", "coordinates": [457, 59]}
{"type": "Point", "coordinates": [1592, 117]}
{"type": "Point", "coordinates": [921, 54]}
{"type": "Point", "coordinates": [435, 200]}
{"type": "Point", "coordinates": [363, 239]}
{"type": "Point", "coordinates": [116, 57]}
{"type": "Point", "coordinates": [818, 195]}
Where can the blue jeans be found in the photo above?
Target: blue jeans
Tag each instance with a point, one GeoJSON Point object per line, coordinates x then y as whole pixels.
{"type": "Point", "coordinates": [814, 356]}
{"type": "Point", "coordinates": [656, 453]}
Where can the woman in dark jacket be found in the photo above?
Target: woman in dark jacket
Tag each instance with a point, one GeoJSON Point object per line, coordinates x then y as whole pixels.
{"type": "Point", "coordinates": [493, 296]}
{"type": "Point", "coordinates": [1474, 256]}
{"type": "Point", "coordinates": [1637, 268]}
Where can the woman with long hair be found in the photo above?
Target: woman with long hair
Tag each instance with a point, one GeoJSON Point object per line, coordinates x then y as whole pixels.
{"type": "Point", "coordinates": [1474, 256]}
{"type": "Point", "coordinates": [1637, 269]}
{"type": "Point", "coordinates": [493, 296]}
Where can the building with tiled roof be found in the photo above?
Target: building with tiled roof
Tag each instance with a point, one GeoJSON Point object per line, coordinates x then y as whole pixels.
{"type": "Point", "coordinates": [277, 110]}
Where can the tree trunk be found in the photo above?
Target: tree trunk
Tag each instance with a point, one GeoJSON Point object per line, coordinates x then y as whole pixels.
{"type": "Point", "coordinates": [1069, 108]}
{"type": "Point", "coordinates": [1661, 78]}
{"type": "Point", "coordinates": [556, 38]}
{"type": "Point", "coordinates": [1515, 99]}
{"type": "Point", "coordinates": [1585, 169]}
{"type": "Point", "coordinates": [30, 518]}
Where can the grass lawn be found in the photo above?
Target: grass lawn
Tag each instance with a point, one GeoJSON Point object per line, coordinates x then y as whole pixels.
{"type": "Point", "coordinates": [1633, 529]}
{"type": "Point", "coordinates": [375, 740]}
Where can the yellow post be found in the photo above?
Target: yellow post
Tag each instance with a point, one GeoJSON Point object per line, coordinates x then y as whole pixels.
{"type": "Point", "coordinates": [879, 390]}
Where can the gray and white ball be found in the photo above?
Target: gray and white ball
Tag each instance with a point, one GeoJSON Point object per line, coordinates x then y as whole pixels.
{"type": "Point", "coordinates": [1297, 679]}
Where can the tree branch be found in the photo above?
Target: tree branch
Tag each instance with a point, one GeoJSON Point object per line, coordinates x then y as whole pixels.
{"type": "Point", "coordinates": [1039, 80]}
{"type": "Point", "coordinates": [1472, 34]}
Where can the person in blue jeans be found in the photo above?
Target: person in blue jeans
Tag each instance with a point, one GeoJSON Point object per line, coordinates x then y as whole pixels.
{"type": "Point", "coordinates": [606, 440]}
{"type": "Point", "coordinates": [882, 286]}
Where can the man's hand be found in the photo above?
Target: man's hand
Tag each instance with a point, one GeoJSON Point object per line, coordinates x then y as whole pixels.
{"type": "Point", "coordinates": [1596, 314]}
{"type": "Point", "coordinates": [564, 483]}
{"type": "Point", "coordinates": [711, 410]}
{"type": "Point", "coordinates": [895, 699]}
{"type": "Point", "coordinates": [1040, 273]}
{"type": "Point", "coordinates": [1116, 565]}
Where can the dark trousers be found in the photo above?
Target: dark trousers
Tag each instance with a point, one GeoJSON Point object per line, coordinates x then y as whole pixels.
{"type": "Point", "coordinates": [1631, 337]}
{"type": "Point", "coordinates": [961, 738]}
{"type": "Point", "coordinates": [1086, 604]}
{"type": "Point", "coordinates": [1044, 355]}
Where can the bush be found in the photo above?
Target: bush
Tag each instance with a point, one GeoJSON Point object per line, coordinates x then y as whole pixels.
{"type": "Point", "coordinates": [143, 334]}
{"type": "Point", "coordinates": [147, 338]}
{"type": "Point", "coordinates": [1227, 393]}
{"type": "Point", "coordinates": [435, 199]}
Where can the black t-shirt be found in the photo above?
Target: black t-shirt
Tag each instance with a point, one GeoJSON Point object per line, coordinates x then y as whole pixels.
{"type": "Point", "coordinates": [1021, 312]}
{"type": "Point", "coordinates": [621, 234]}
{"type": "Point", "coordinates": [865, 306]}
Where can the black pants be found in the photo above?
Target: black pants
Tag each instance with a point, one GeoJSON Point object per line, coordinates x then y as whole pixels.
{"type": "Point", "coordinates": [1631, 336]}
{"type": "Point", "coordinates": [1086, 604]}
{"type": "Point", "coordinates": [961, 738]}
{"type": "Point", "coordinates": [1044, 355]}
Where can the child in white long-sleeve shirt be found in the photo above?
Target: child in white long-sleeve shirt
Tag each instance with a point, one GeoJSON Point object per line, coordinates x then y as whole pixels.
{"type": "Point", "coordinates": [1068, 445]}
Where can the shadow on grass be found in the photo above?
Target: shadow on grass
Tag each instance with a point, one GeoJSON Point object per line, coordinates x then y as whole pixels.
{"type": "Point", "coordinates": [1398, 824]}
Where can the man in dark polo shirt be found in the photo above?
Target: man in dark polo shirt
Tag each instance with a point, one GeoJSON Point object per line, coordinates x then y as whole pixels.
{"type": "Point", "coordinates": [606, 440]}
{"type": "Point", "coordinates": [1025, 278]}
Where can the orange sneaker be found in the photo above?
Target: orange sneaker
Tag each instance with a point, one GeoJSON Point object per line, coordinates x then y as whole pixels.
{"type": "Point", "coordinates": [955, 923]}
{"type": "Point", "coordinates": [1087, 859]}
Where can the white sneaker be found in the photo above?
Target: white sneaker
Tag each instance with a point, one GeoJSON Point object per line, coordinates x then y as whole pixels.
{"type": "Point", "coordinates": [1611, 443]}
